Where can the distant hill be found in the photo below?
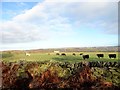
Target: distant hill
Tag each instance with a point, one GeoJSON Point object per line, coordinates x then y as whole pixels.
{"type": "Point", "coordinates": [80, 49]}
{"type": "Point", "coordinates": [75, 49]}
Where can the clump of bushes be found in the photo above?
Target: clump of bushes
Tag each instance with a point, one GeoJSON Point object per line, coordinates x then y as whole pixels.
{"type": "Point", "coordinates": [6, 55]}
{"type": "Point", "coordinates": [61, 75]}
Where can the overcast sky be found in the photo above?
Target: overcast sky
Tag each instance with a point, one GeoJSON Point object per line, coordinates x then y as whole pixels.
{"type": "Point", "coordinates": [52, 24]}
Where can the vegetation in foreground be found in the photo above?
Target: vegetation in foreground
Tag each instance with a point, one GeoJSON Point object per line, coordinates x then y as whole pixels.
{"type": "Point", "coordinates": [83, 75]}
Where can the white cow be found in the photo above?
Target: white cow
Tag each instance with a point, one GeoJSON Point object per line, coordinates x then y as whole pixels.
{"type": "Point", "coordinates": [27, 54]}
{"type": "Point", "coordinates": [56, 51]}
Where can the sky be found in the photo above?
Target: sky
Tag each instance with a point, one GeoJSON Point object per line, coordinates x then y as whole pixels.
{"type": "Point", "coordinates": [57, 24]}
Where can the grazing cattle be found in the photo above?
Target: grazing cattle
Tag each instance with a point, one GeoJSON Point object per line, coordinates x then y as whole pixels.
{"type": "Point", "coordinates": [63, 54]}
{"type": "Point", "coordinates": [27, 54]}
{"type": "Point", "coordinates": [100, 55]}
{"type": "Point", "coordinates": [85, 57]}
{"type": "Point", "coordinates": [48, 53]}
{"type": "Point", "coordinates": [57, 54]}
{"type": "Point", "coordinates": [56, 51]}
{"type": "Point", "coordinates": [81, 53]}
{"type": "Point", "coordinates": [74, 54]}
{"type": "Point", "coordinates": [112, 55]}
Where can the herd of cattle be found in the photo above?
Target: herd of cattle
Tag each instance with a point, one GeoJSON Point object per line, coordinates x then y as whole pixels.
{"type": "Point", "coordinates": [87, 56]}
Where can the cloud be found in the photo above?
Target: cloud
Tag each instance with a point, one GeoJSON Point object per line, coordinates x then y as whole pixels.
{"type": "Point", "coordinates": [61, 0]}
{"type": "Point", "coordinates": [49, 20]}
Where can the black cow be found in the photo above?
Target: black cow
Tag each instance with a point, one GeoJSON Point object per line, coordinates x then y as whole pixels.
{"type": "Point", "coordinates": [85, 57]}
{"type": "Point", "coordinates": [100, 55]}
{"type": "Point", "coordinates": [74, 54]}
{"type": "Point", "coordinates": [112, 55]}
{"type": "Point", "coordinates": [81, 53]}
{"type": "Point", "coordinates": [48, 53]}
{"type": "Point", "coordinates": [57, 54]}
{"type": "Point", "coordinates": [63, 54]}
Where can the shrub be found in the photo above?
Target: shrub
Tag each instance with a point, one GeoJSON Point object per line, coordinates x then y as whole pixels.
{"type": "Point", "coordinates": [6, 55]}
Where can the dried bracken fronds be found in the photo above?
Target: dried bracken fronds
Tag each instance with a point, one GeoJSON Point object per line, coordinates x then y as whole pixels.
{"type": "Point", "coordinates": [54, 75]}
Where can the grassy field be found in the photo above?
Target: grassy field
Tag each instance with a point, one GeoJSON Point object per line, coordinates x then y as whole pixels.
{"type": "Point", "coordinates": [53, 57]}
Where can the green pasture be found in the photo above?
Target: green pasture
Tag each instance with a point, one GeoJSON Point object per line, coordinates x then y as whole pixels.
{"type": "Point", "coordinates": [53, 57]}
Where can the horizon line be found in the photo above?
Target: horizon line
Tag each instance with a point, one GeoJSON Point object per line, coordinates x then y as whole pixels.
{"type": "Point", "coordinates": [56, 48]}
